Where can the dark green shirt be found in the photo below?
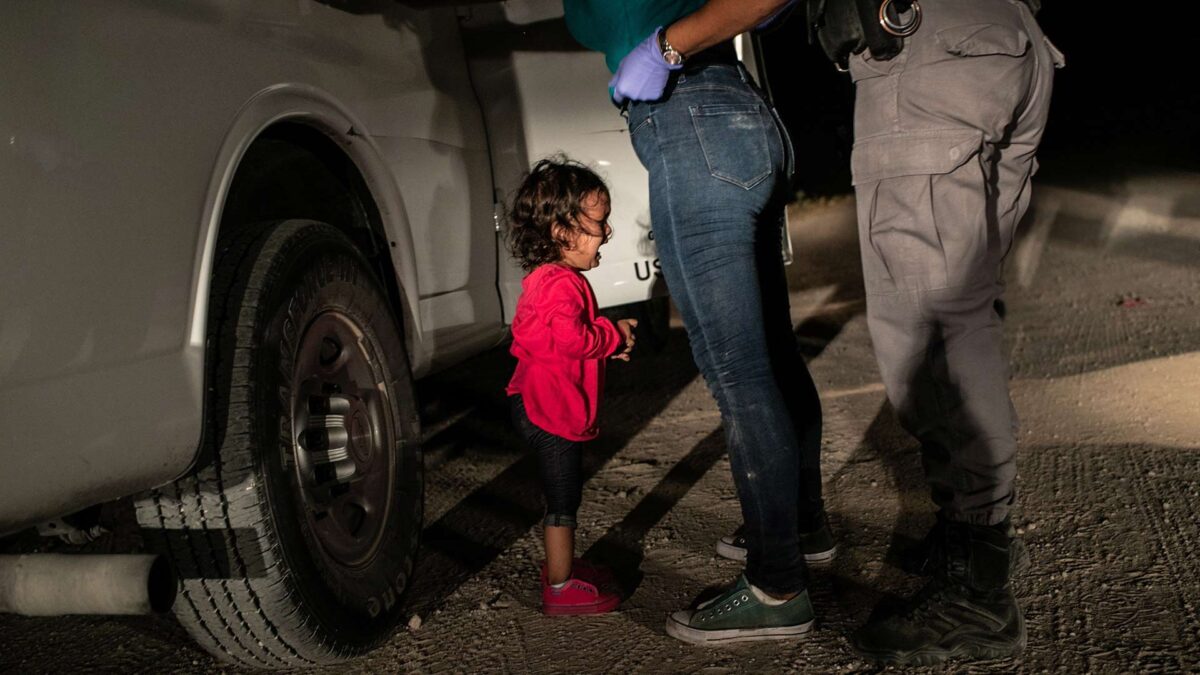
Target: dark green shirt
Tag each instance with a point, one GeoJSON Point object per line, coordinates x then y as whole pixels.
{"type": "Point", "coordinates": [615, 27]}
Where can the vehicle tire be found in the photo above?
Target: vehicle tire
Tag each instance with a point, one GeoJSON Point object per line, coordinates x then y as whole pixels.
{"type": "Point", "coordinates": [295, 534]}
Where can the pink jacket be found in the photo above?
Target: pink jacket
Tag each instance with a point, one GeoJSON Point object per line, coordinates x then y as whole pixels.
{"type": "Point", "coordinates": [561, 346]}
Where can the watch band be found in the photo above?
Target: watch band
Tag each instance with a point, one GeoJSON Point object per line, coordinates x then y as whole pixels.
{"type": "Point", "coordinates": [672, 56]}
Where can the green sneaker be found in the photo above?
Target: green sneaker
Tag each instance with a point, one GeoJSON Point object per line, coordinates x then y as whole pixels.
{"type": "Point", "coordinates": [737, 615]}
{"type": "Point", "coordinates": [817, 546]}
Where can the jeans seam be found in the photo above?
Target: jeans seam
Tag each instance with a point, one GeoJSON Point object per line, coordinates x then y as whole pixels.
{"type": "Point", "coordinates": [713, 87]}
{"type": "Point", "coordinates": [640, 125]}
{"type": "Point", "coordinates": [673, 229]}
{"type": "Point", "coordinates": [785, 139]}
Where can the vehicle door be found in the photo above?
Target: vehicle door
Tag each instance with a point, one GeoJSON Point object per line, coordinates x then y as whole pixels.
{"type": "Point", "coordinates": [542, 93]}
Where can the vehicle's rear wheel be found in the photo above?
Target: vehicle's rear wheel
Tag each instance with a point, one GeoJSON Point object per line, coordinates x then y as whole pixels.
{"type": "Point", "coordinates": [295, 533]}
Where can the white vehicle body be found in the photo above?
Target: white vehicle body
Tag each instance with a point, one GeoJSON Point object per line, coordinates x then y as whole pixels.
{"type": "Point", "coordinates": [231, 234]}
{"type": "Point", "coordinates": [123, 127]}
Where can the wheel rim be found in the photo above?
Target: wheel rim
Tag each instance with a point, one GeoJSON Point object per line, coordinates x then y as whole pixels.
{"type": "Point", "coordinates": [342, 438]}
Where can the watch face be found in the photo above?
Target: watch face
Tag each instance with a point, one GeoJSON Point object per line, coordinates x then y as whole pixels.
{"type": "Point", "coordinates": [672, 57]}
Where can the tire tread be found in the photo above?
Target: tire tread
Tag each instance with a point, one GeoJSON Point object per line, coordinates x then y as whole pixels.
{"type": "Point", "coordinates": [245, 620]}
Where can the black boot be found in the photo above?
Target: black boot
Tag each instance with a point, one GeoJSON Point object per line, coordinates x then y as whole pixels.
{"type": "Point", "coordinates": [925, 556]}
{"type": "Point", "coordinates": [966, 611]}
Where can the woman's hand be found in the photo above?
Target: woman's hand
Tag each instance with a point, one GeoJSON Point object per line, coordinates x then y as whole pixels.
{"type": "Point", "coordinates": [642, 75]}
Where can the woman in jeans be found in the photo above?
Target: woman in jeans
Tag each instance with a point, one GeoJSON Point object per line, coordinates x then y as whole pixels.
{"type": "Point", "coordinates": [719, 163]}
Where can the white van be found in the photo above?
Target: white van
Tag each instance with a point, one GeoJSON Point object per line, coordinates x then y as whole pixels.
{"type": "Point", "coordinates": [231, 236]}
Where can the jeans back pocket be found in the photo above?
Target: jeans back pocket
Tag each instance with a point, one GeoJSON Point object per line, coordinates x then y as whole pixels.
{"type": "Point", "coordinates": [733, 137]}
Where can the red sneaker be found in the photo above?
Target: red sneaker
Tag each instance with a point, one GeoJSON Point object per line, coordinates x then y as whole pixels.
{"type": "Point", "coordinates": [597, 575]}
{"type": "Point", "coordinates": [577, 597]}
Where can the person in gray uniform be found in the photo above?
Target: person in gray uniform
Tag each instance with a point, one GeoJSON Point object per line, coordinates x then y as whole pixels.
{"type": "Point", "coordinates": [952, 100]}
{"type": "Point", "coordinates": [946, 132]}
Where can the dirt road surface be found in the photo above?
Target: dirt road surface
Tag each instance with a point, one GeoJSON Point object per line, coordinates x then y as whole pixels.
{"type": "Point", "coordinates": [1103, 329]}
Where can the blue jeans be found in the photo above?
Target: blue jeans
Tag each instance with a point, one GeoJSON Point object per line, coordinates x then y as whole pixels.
{"type": "Point", "coordinates": [718, 161]}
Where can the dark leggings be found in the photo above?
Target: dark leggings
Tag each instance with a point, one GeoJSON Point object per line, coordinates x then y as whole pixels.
{"type": "Point", "coordinates": [559, 460]}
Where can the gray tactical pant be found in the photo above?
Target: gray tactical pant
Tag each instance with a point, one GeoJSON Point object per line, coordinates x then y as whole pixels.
{"type": "Point", "coordinates": [945, 136]}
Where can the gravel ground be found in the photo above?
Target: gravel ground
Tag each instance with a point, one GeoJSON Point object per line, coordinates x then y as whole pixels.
{"type": "Point", "coordinates": [1104, 335]}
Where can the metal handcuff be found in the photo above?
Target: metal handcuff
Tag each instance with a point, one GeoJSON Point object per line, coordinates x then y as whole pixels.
{"type": "Point", "coordinates": [894, 26]}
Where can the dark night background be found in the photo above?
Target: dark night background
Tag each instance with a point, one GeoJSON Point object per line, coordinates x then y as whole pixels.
{"type": "Point", "coordinates": [1127, 98]}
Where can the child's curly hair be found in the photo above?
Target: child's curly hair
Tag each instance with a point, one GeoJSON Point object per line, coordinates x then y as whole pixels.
{"type": "Point", "coordinates": [551, 194]}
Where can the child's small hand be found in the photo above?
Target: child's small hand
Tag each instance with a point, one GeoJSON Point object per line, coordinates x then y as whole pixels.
{"type": "Point", "coordinates": [626, 327]}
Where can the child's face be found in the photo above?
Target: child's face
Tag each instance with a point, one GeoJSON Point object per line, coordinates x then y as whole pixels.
{"type": "Point", "coordinates": [591, 230]}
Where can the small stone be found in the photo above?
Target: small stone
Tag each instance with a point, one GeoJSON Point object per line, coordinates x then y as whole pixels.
{"type": "Point", "coordinates": [622, 494]}
{"type": "Point", "coordinates": [415, 622]}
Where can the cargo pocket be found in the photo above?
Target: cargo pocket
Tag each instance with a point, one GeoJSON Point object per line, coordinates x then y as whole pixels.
{"type": "Point", "coordinates": [733, 137]}
{"type": "Point", "coordinates": [911, 153]}
{"type": "Point", "coordinates": [922, 205]}
{"type": "Point", "coordinates": [983, 39]}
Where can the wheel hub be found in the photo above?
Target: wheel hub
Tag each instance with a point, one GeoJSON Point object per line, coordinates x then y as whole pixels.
{"type": "Point", "coordinates": [342, 436]}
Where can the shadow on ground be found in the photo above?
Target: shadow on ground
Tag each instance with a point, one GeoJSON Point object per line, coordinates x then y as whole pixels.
{"type": "Point", "coordinates": [487, 521]}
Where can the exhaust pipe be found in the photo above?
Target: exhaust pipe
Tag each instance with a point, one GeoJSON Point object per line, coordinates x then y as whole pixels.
{"type": "Point", "coordinates": [50, 584]}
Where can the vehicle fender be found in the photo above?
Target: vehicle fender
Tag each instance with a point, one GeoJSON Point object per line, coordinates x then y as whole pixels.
{"type": "Point", "coordinates": [312, 106]}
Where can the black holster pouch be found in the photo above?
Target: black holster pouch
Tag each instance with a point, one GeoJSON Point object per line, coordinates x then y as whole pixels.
{"type": "Point", "coordinates": [845, 27]}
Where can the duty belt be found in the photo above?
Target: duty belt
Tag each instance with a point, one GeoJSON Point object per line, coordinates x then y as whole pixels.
{"type": "Point", "coordinates": [845, 27]}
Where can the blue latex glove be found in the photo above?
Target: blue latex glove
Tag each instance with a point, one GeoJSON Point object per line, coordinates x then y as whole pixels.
{"type": "Point", "coordinates": [778, 17]}
{"type": "Point", "coordinates": [642, 74]}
